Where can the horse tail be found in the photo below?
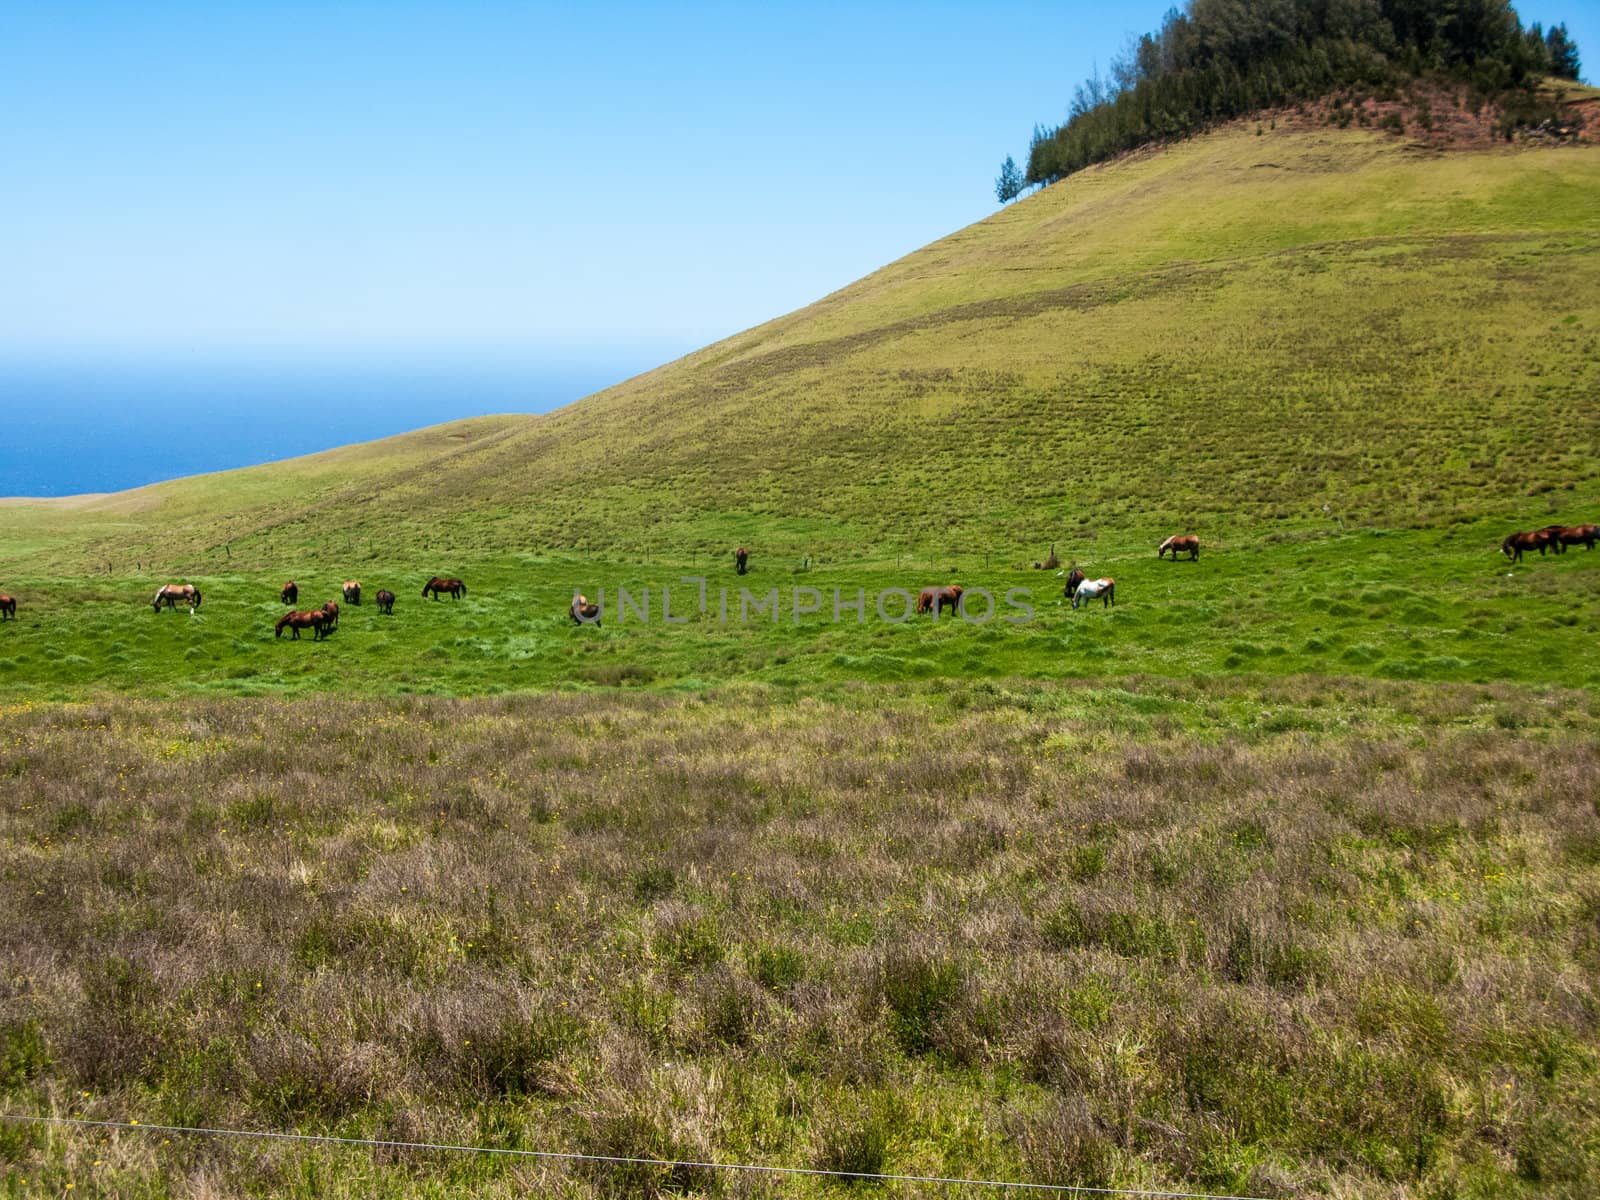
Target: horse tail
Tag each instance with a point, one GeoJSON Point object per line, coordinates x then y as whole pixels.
{"type": "Point", "coordinates": [463, 589]}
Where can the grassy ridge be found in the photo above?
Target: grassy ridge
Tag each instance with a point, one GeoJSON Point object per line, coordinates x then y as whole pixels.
{"type": "Point", "coordinates": [1278, 939]}
{"type": "Point", "coordinates": [1233, 335]}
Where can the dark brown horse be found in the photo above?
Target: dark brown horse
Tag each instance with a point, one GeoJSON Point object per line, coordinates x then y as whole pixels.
{"type": "Point", "coordinates": [1184, 543]}
{"type": "Point", "coordinates": [8, 607]}
{"type": "Point", "coordinates": [583, 610]}
{"type": "Point", "coordinates": [290, 593]}
{"type": "Point", "coordinates": [1562, 536]}
{"type": "Point", "coordinates": [316, 621]}
{"type": "Point", "coordinates": [934, 599]}
{"type": "Point", "coordinates": [352, 591]}
{"type": "Point", "coordinates": [439, 584]}
{"type": "Point", "coordinates": [173, 594]}
{"type": "Point", "coordinates": [741, 560]}
{"type": "Point", "coordinates": [330, 612]}
{"type": "Point", "coordinates": [1513, 546]}
{"type": "Point", "coordinates": [385, 601]}
{"type": "Point", "coordinates": [1074, 578]}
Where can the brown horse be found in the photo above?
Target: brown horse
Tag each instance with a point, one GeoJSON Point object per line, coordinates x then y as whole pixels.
{"type": "Point", "coordinates": [583, 610]}
{"type": "Point", "coordinates": [741, 560]}
{"type": "Point", "coordinates": [330, 612]}
{"type": "Point", "coordinates": [1074, 578]}
{"type": "Point", "coordinates": [1562, 536]}
{"type": "Point", "coordinates": [173, 594]}
{"type": "Point", "coordinates": [439, 584]}
{"type": "Point", "coordinates": [385, 601]}
{"type": "Point", "coordinates": [934, 599]}
{"type": "Point", "coordinates": [8, 607]}
{"type": "Point", "coordinates": [290, 593]}
{"type": "Point", "coordinates": [1513, 546]}
{"type": "Point", "coordinates": [352, 591]}
{"type": "Point", "coordinates": [1185, 543]}
{"type": "Point", "coordinates": [316, 621]}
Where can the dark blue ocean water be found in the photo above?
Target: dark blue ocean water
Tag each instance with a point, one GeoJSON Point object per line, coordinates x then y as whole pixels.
{"type": "Point", "coordinates": [70, 428]}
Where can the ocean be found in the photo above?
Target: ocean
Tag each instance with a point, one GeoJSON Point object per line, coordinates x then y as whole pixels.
{"type": "Point", "coordinates": [70, 428]}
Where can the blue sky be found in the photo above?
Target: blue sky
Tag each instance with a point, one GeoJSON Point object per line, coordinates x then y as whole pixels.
{"type": "Point", "coordinates": [497, 180]}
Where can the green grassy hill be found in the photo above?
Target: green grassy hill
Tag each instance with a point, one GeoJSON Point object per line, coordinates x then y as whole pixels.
{"type": "Point", "coordinates": [1238, 335]}
{"type": "Point", "coordinates": [1349, 363]}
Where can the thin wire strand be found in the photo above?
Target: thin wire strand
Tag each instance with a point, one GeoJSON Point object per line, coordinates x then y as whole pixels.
{"type": "Point", "coordinates": [617, 1159]}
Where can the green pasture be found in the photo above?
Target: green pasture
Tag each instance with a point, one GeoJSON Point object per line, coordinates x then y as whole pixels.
{"type": "Point", "coordinates": [1408, 604]}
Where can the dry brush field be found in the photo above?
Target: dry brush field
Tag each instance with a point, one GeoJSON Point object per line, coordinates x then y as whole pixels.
{"type": "Point", "coordinates": [1304, 937]}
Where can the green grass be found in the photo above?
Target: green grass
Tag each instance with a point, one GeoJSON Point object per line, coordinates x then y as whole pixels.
{"type": "Point", "coordinates": [1277, 938]}
{"type": "Point", "coordinates": [1239, 335]}
{"type": "Point", "coordinates": [1410, 604]}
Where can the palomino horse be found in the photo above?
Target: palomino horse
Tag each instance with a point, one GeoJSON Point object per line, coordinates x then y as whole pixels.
{"type": "Point", "coordinates": [439, 584]}
{"type": "Point", "coordinates": [173, 594]}
{"type": "Point", "coordinates": [8, 607]}
{"type": "Point", "coordinates": [1074, 578]}
{"type": "Point", "coordinates": [1185, 543]}
{"type": "Point", "coordinates": [1106, 589]}
{"type": "Point", "coordinates": [352, 591]}
{"type": "Point", "coordinates": [330, 612]}
{"type": "Point", "coordinates": [741, 560]}
{"type": "Point", "coordinates": [583, 610]}
{"type": "Point", "coordinates": [385, 600]}
{"type": "Point", "coordinates": [1562, 536]}
{"type": "Point", "coordinates": [290, 593]}
{"type": "Point", "coordinates": [934, 599]}
{"type": "Point", "coordinates": [316, 621]}
{"type": "Point", "coordinates": [1513, 546]}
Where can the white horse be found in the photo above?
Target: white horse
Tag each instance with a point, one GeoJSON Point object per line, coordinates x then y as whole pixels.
{"type": "Point", "coordinates": [1106, 589]}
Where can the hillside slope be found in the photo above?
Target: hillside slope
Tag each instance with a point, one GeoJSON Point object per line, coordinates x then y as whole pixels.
{"type": "Point", "coordinates": [1243, 333]}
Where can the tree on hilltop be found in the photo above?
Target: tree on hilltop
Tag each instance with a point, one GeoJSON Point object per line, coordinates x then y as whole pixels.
{"type": "Point", "coordinates": [1009, 185]}
{"type": "Point", "coordinates": [1563, 52]}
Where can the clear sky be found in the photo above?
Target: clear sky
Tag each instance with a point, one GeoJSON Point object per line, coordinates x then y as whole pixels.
{"type": "Point", "coordinates": [488, 179]}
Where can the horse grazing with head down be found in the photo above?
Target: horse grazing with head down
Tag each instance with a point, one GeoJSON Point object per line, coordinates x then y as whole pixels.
{"type": "Point", "coordinates": [1513, 546]}
{"type": "Point", "coordinates": [8, 607]}
{"type": "Point", "coordinates": [385, 599]}
{"type": "Point", "coordinates": [741, 560]}
{"type": "Point", "coordinates": [173, 594]}
{"type": "Point", "coordinates": [1106, 589]}
{"type": "Point", "coordinates": [352, 591]}
{"type": "Point", "coordinates": [934, 599]}
{"type": "Point", "coordinates": [330, 612]}
{"type": "Point", "coordinates": [583, 610]}
{"type": "Point", "coordinates": [1562, 536]}
{"type": "Point", "coordinates": [290, 593]}
{"type": "Point", "coordinates": [316, 621]}
{"type": "Point", "coordinates": [1180, 543]}
{"type": "Point", "coordinates": [1074, 578]}
{"type": "Point", "coordinates": [440, 583]}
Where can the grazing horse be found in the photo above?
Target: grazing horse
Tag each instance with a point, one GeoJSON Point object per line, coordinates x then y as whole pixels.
{"type": "Point", "coordinates": [583, 610]}
{"type": "Point", "coordinates": [1106, 589]}
{"type": "Point", "coordinates": [174, 593]}
{"type": "Point", "coordinates": [8, 607]}
{"type": "Point", "coordinates": [1185, 543]}
{"type": "Point", "coordinates": [1513, 546]}
{"type": "Point", "coordinates": [1074, 578]}
{"type": "Point", "coordinates": [1562, 536]}
{"type": "Point", "coordinates": [330, 612]}
{"type": "Point", "coordinates": [316, 621]}
{"type": "Point", "coordinates": [290, 593]}
{"type": "Point", "coordinates": [439, 584]}
{"type": "Point", "coordinates": [385, 601]}
{"type": "Point", "coordinates": [934, 599]}
{"type": "Point", "coordinates": [352, 591]}
{"type": "Point", "coordinates": [741, 559]}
